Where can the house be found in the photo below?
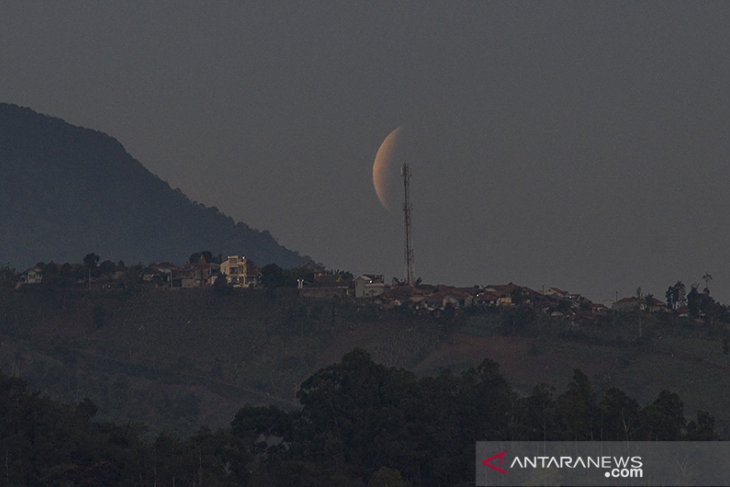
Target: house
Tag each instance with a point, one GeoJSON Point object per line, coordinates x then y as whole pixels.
{"type": "Point", "coordinates": [487, 299]}
{"type": "Point", "coordinates": [626, 304]}
{"type": "Point", "coordinates": [505, 294]}
{"type": "Point", "coordinates": [654, 305]}
{"type": "Point", "coordinates": [32, 276]}
{"type": "Point", "coordinates": [198, 274]}
{"type": "Point", "coordinates": [163, 275]}
{"type": "Point", "coordinates": [324, 285]}
{"type": "Point", "coordinates": [649, 303]}
{"type": "Point", "coordinates": [235, 270]}
{"type": "Point", "coordinates": [458, 297]}
{"type": "Point", "coordinates": [369, 285]}
{"type": "Point", "coordinates": [253, 276]}
{"type": "Point", "coordinates": [557, 292]}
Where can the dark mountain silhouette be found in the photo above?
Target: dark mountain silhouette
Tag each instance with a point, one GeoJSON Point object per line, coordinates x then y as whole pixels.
{"type": "Point", "coordinates": [66, 191]}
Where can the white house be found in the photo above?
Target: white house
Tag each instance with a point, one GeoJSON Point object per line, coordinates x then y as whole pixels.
{"type": "Point", "coordinates": [32, 276]}
{"type": "Point", "coordinates": [235, 270]}
{"type": "Point", "coordinates": [369, 286]}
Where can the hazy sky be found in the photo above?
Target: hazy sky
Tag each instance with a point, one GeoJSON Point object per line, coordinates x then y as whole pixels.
{"type": "Point", "coordinates": [579, 145]}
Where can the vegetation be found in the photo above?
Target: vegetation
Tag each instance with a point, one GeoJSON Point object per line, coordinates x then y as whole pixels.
{"type": "Point", "coordinates": [359, 424]}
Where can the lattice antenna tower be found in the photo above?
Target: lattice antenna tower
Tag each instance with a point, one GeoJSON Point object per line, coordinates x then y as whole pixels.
{"type": "Point", "coordinates": [410, 269]}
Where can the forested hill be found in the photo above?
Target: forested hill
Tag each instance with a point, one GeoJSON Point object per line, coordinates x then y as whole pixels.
{"type": "Point", "coordinates": [360, 424]}
{"type": "Point", "coordinates": [66, 191]}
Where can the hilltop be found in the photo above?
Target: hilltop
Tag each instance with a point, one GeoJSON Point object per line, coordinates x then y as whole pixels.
{"type": "Point", "coordinates": [66, 191]}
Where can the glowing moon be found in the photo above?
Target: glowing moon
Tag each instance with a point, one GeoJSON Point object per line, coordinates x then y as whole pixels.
{"type": "Point", "coordinates": [384, 168]}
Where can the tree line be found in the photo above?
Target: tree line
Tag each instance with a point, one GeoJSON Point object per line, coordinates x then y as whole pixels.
{"type": "Point", "coordinates": [360, 424]}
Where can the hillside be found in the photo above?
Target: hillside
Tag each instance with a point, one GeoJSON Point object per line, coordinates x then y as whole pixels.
{"type": "Point", "coordinates": [66, 191]}
{"type": "Point", "coordinates": [179, 359]}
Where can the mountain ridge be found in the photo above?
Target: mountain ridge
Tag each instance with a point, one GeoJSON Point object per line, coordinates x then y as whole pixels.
{"type": "Point", "coordinates": [68, 190]}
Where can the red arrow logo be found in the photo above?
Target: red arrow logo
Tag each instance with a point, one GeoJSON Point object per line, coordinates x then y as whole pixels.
{"type": "Point", "coordinates": [488, 462]}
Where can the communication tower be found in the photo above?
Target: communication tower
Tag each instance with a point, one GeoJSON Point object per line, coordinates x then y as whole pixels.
{"type": "Point", "coordinates": [410, 270]}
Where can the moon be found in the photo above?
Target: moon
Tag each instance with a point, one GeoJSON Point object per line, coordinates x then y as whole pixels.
{"type": "Point", "coordinates": [384, 168]}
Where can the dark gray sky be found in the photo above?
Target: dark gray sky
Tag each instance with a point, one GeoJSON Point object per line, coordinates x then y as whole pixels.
{"type": "Point", "coordinates": [580, 145]}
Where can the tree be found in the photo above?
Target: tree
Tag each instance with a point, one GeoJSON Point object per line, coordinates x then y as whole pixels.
{"type": "Point", "coordinates": [207, 255]}
{"type": "Point", "coordinates": [681, 296]}
{"type": "Point", "coordinates": [675, 295]}
{"type": "Point", "coordinates": [693, 302]}
{"type": "Point", "coordinates": [536, 415]}
{"type": "Point", "coordinates": [663, 420]}
{"type": "Point", "coordinates": [671, 303]}
{"type": "Point", "coordinates": [707, 278]}
{"type": "Point", "coordinates": [343, 276]}
{"type": "Point", "coordinates": [90, 260]}
{"type": "Point", "coordinates": [640, 305]}
{"type": "Point", "coordinates": [709, 308]}
{"type": "Point", "coordinates": [254, 425]}
{"type": "Point", "coordinates": [517, 295]}
{"type": "Point", "coordinates": [220, 285]}
{"type": "Point", "coordinates": [293, 275]}
{"type": "Point", "coordinates": [107, 267]}
{"type": "Point", "coordinates": [620, 416]}
{"type": "Point", "coordinates": [577, 408]}
{"type": "Point", "coordinates": [273, 276]}
{"type": "Point", "coordinates": [703, 429]}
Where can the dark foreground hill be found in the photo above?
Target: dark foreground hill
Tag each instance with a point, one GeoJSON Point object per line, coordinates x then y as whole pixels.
{"type": "Point", "coordinates": [66, 191]}
{"type": "Point", "coordinates": [360, 424]}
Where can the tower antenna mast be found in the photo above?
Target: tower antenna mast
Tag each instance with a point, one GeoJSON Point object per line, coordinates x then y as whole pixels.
{"type": "Point", "coordinates": [409, 261]}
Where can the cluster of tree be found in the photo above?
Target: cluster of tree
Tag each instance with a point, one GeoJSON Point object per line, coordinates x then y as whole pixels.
{"type": "Point", "coordinates": [676, 295]}
{"type": "Point", "coordinates": [358, 416]}
{"type": "Point", "coordinates": [360, 424]}
{"type": "Point", "coordinates": [698, 304]}
{"type": "Point", "coordinates": [207, 256]}
{"type": "Point", "coordinates": [43, 442]}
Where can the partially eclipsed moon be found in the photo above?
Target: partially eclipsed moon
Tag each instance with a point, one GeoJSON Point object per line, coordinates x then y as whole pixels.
{"type": "Point", "coordinates": [383, 167]}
